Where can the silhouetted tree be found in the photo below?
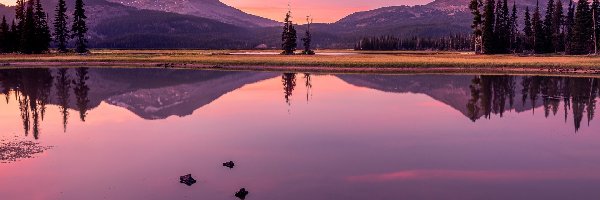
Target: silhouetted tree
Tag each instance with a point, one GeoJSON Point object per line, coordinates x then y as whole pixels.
{"type": "Point", "coordinates": [528, 32]}
{"type": "Point", "coordinates": [581, 29]}
{"type": "Point", "coordinates": [569, 24]}
{"type": "Point", "coordinates": [489, 21]}
{"type": "Point", "coordinates": [5, 36]}
{"type": "Point", "coordinates": [548, 28]}
{"type": "Point", "coordinates": [308, 38]}
{"type": "Point", "coordinates": [28, 30]}
{"type": "Point", "coordinates": [79, 28]}
{"type": "Point", "coordinates": [61, 32]}
{"type": "Point", "coordinates": [42, 31]}
{"type": "Point", "coordinates": [558, 21]}
{"type": "Point", "coordinates": [538, 31]}
{"type": "Point", "coordinates": [502, 27]}
{"type": "Point", "coordinates": [288, 36]}
{"type": "Point", "coordinates": [475, 6]}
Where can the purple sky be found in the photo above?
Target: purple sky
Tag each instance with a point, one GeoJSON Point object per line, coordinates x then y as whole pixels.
{"type": "Point", "coordinates": [321, 10]}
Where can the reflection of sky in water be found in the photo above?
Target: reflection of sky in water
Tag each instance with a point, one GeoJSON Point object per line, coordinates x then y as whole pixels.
{"type": "Point", "coordinates": [346, 142]}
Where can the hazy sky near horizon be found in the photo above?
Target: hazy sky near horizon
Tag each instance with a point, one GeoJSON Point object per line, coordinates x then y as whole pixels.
{"type": "Point", "coordinates": [321, 10]}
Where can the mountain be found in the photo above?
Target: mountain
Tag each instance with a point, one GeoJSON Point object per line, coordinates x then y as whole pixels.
{"type": "Point", "coordinates": [210, 9]}
{"type": "Point", "coordinates": [438, 18]}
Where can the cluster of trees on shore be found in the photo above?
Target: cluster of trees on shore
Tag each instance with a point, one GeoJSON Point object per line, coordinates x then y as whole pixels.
{"type": "Point", "coordinates": [289, 36]}
{"type": "Point", "coordinates": [496, 29]}
{"type": "Point", "coordinates": [29, 33]}
{"type": "Point", "coordinates": [458, 42]}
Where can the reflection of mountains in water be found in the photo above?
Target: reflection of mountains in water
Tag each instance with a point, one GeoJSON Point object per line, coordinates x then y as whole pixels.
{"type": "Point", "coordinates": [160, 93]}
{"type": "Point", "coordinates": [483, 96]}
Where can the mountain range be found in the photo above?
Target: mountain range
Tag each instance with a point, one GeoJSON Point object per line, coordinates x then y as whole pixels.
{"type": "Point", "coordinates": [211, 24]}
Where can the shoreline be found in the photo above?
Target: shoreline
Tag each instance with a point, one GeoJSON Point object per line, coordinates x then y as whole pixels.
{"type": "Point", "coordinates": [361, 62]}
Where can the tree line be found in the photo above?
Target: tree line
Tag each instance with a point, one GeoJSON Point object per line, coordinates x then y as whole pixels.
{"type": "Point", "coordinates": [496, 28]}
{"type": "Point", "coordinates": [457, 42]}
{"type": "Point", "coordinates": [29, 32]}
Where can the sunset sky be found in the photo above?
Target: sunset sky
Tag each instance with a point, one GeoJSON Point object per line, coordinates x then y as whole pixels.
{"type": "Point", "coordinates": [321, 10]}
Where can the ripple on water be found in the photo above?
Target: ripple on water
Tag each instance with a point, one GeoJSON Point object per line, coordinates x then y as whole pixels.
{"type": "Point", "coordinates": [15, 150]}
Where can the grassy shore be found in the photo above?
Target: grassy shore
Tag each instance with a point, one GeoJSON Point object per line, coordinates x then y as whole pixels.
{"type": "Point", "coordinates": [330, 60]}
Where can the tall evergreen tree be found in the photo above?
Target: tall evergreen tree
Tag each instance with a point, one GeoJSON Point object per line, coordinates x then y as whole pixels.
{"type": "Point", "coordinates": [14, 37]}
{"type": "Point", "coordinates": [569, 23]}
{"type": "Point", "coordinates": [538, 31]}
{"type": "Point", "coordinates": [61, 32]}
{"type": "Point", "coordinates": [514, 29]}
{"type": "Point", "coordinates": [4, 36]}
{"type": "Point", "coordinates": [28, 30]}
{"type": "Point", "coordinates": [489, 21]}
{"type": "Point", "coordinates": [288, 37]}
{"type": "Point", "coordinates": [42, 31]}
{"type": "Point", "coordinates": [596, 24]}
{"type": "Point", "coordinates": [548, 25]}
{"type": "Point", "coordinates": [308, 38]}
{"type": "Point", "coordinates": [502, 28]}
{"type": "Point", "coordinates": [557, 30]}
{"type": "Point", "coordinates": [79, 28]}
{"type": "Point", "coordinates": [20, 9]}
{"type": "Point", "coordinates": [528, 31]}
{"type": "Point", "coordinates": [582, 29]}
{"type": "Point", "coordinates": [475, 7]}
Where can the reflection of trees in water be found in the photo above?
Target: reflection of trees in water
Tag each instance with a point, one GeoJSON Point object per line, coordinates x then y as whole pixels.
{"type": "Point", "coordinates": [489, 95]}
{"type": "Point", "coordinates": [63, 87]}
{"type": "Point", "coordinates": [81, 91]}
{"type": "Point", "coordinates": [308, 84]}
{"type": "Point", "coordinates": [289, 83]}
{"type": "Point", "coordinates": [32, 89]}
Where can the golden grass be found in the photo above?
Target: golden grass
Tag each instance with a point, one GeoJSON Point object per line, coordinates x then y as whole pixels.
{"type": "Point", "coordinates": [361, 59]}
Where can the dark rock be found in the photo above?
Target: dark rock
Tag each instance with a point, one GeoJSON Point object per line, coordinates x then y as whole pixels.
{"type": "Point", "coordinates": [187, 179]}
{"type": "Point", "coordinates": [242, 193]}
{"type": "Point", "coordinates": [229, 164]}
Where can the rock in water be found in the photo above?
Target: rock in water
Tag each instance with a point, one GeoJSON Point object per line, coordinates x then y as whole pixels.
{"type": "Point", "coordinates": [241, 194]}
{"type": "Point", "coordinates": [229, 164]}
{"type": "Point", "coordinates": [187, 179]}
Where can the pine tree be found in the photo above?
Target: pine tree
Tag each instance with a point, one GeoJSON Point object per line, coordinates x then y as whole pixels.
{"type": "Point", "coordinates": [308, 38]}
{"type": "Point", "coordinates": [501, 28]}
{"type": "Point", "coordinates": [27, 45]}
{"type": "Point", "coordinates": [475, 7]}
{"type": "Point", "coordinates": [582, 29]}
{"type": "Point", "coordinates": [42, 31]}
{"type": "Point", "coordinates": [548, 25]}
{"type": "Point", "coordinates": [558, 23]}
{"type": "Point", "coordinates": [528, 31]}
{"type": "Point", "coordinates": [288, 37]}
{"type": "Point", "coordinates": [489, 21]}
{"type": "Point", "coordinates": [79, 28]}
{"type": "Point", "coordinates": [4, 34]}
{"type": "Point", "coordinates": [514, 29]}
{"type": "Point", "coordinates": [20, 8]}
{"type": "Point", "coordinates": [61, 33]}
{"type": "Point", "coordinates": [596, 23]}
{"type": "Point", "coordinates": [14, 37]}
{"type": "Point", "coordinates": [538, 31]}
{"type": "Point", "coordinates": [569, 23]}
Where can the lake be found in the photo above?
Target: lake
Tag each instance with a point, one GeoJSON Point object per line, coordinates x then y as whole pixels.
{"type": "Point", "coordinates": [99, 133]}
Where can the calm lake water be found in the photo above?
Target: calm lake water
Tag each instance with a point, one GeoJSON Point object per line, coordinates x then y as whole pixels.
{"type": "Point", "coordinates": [83, 133]}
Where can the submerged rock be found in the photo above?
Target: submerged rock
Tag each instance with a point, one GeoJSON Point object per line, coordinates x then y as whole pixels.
{"type": "Point", "coordinates": [242, 193]}
{"type": "Point", "coordinates": [187, 179]}
{"type": "Point", "coordinates": [229, 164]}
